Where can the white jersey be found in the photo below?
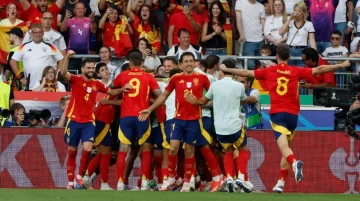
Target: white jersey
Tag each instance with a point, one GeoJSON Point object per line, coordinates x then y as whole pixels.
{"type": "Point", "coordinates": [226, 95]}
{"type": "Point", "coordinates": [51, 36]}
{"type": "Point", "coordinates": [206, 112]}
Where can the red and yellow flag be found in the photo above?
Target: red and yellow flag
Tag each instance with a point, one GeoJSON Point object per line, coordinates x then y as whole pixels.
{"type": "Point", "coordinates": [5, 42]}
{"type": "Point", "coordinates": [122, 38]}
{"type": "Point", "coordinates": [229, 38]}
{"type": "Point", "coordinates": [260, 85]}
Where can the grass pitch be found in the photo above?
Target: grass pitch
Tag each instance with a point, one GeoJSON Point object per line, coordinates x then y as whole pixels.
{"type": "Point", "coordinates": [82, 195]}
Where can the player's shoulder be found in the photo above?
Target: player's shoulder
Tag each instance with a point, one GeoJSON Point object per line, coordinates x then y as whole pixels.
{"type": "Point", "coordinates": [177, 76]}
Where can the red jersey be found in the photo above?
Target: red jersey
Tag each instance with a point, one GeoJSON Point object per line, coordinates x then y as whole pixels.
{"type": "Point", "coordinates": [138, 98]}
{"type": "Point", "coordinates": [179, 21]}
{"type": "Point", "coordinates": [34, 15]}
{"type": "Point", "coordinates": [161, 114]}
{"type": "Point", "coordinates": [328, 77]}
{"type": "Point", "coordinates": [83, 98]}
{"type": "Point", "coordinates": [283, 85]}
{"type": "Point", "coordinates": [195, 84]}
{"type": "Point", "coordinates": [106, 113]}
{"type": "Point", "coordinates": [142, 30]}
{"type": "Point", "coordinates": [108, 34]}
{"type": "Point", "coordinates": [177, 9]}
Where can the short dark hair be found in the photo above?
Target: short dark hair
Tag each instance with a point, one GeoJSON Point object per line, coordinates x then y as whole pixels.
{"type": "Point", "coordinates": [170, 58]}
{"type": "Point", "coordinates": [265, 2]}
{"type": "Point", "coordinates": [16, 106]}
{"type": "Point", "coordinates": [337, 33]}
{"type": "Point", "coordinates": [99, 65]}
{"type": "Point", "coordinates": [186, 54]}
{"type": "Point", "coordinates": [136, 59]}
{"type": "Point", "coordinates": [182, 30]}
{"type": "Point", "coordinates": [265, 47]}
{"type": "Point", "coordinates": [212, 60]}
{"type": "Point", "coordinates": [87, 60]}
{"type": "Point", "coordinates": [311, 53]}
{"type": "Point", "coordinates": [283, 52]}
{"type": "Point", "coordinates": [125, 67]}
{"type": "Point", "coordinates": [132, 51]}
{"type": "Point", "coordinates": [174, 72]}
{"type": "Point", "coordinates": [229, 63]}
{"type": "Point", "coordinates": [203, 63]}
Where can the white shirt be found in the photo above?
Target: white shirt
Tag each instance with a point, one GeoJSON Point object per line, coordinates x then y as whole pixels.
{"type": "Point", "coordinates": [171, 52]}
{"type": "Point", "coordinates": [51, 36]}
{"type": "Point", "coordinates": [340, 12]}
{"type": "Point", "coordinates": [272, 27]}
{"type": "Point", "coordinates": [251, 15]}
{"type": "Point", "coordinates": [226, 95]}
{"type": "Point", "coordinates": [170, 106]}
{"type": "Point", "coordinates": [353, 45]}
{"type": "Point", "coordinates": [335, 52]}
{"type": "Point", "coordinates": [206, 112]}
{"type": "Point", "coordinates": [35, 58]}
{"type": "Point", "coordinates": [302, 34]}
{"type": "Point", "coordinates": [60, 86]}
{"type": "Point", "coordinates": [289, 4]}
{"type": "Point", "coordinates": [358, 22]}
{"type": "Point", "coordinates": [152, 62]}
{"type": "Point", "coordinates": [94, 7]}
{"type": "Point", "coordinates": [256, 93]}
{"type": "Point", "coordinates": [6, 22]}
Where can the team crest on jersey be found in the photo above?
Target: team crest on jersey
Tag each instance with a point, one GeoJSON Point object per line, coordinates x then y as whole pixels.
{"type": "Point", "coordinates": [188, 84]}
{"type": "Point", "coordinates": [88, 89]}
{"type": "Point", "coordinates": [196, 81]}
{"type": "Point", "coordinates": [94, 88]}
{"type": "Point", "coordinates": [86, 25]}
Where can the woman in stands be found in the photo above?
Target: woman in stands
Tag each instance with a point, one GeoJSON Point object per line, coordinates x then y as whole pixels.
{"type": "Point", "coordinates": [151, 61]}
{"type": "Point", "coordinates": [213, 34]}
{"type": "Point", "coordinates": [49, 82]}
{"type": "Point", "coordinates": [12, 13]}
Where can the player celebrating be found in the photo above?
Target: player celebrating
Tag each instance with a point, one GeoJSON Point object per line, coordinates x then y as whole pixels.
{"type": "Point", "coordinates": [226, 95]}
{"type": "Point", "coordinates": [131, 129]}
{"type": "Point", "coordinates": [187, 125]}
{"type": "Point", "coordinates": [283, 84]}
{"type": "Point", "coordinates": [81, 123]}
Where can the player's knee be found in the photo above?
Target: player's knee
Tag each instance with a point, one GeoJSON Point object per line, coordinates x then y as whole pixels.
{"type": "Point", "coordinates": [72, 148]}
{"type": "Point", "coordinates": [189, 151]}
{"type": "Point", "coordinates": [88, 146]}
{"type": "Point", "coordinates": [124, 147]}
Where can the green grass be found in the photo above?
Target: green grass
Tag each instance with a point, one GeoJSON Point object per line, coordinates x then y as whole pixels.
{"type": "Point", "coordinates": [78, 195]}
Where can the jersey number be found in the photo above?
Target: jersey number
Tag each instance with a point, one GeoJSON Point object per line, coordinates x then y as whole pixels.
{"type": "Point", "coordinates": [79, 32]}
{"type": "Point", "coordinates": [135, 83]}
{"type": "Point", "coordinates": [86, 97]}
{"type": "Point", "coordinates": [282, 87]}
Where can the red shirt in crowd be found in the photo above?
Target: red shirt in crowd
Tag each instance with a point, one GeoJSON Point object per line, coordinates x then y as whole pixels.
{"type": "Point", "coordinates": [283, 84]}
{"type": "Point", "coordinates": [195, 84]}
{"type": "Point", "coordinates": [142, 30]}
{"type": "Point", "coordinates": [137, 99]}
{"type": "Point", "coordinates": [34, 15]}
{"type": "Point", "coordinates": [106, 113]}
{"type": "Point", "coordinates": [177, 9]}
{"type": "Point", "coordinates": [179, 21]}
{"type": "Point", "coordinates": [83, 98]}
{"type": "Point", "coordinates": [328, 77]}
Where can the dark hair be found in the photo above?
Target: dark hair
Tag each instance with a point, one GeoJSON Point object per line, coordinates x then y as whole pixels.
{"type": "Point", "coordinates": [182, 30]}
{"type": "Point", "coordinates": [107, 47]}
{"type": "Point", "coordinates": [212, 60]}
{"type": "Point", "coordinates": [99, 66]}
{"type": "Point", "coordinates": [311, 54]}
{"type": "Point", "coordinates": [229, 63]}
{"type": "Point", "coordinates": [132, 51]}
{"type": "Point", "coordinates": [265, 2]}
{"type": "Point", "coordinates": [222, 15]}
{"type": "Point", "coordinates": [265, 47]}
{"type": "Point", "coordinates": [174, 72]}
{"type": "Point", "coordinates": [125, 67]}
{"type": "Point", "coordinates": [16, 106]}
{"type": "Point", "coordinates": [136, 59]}
{"type": "Point", "coordinates": [283, 52]}
{"type": "Point", "coordinates": [87, 60]}
{"type": "Point", "coordinates": [157, 68]}
{"type": "Point", "coordinates": [186, 54]}
{"type": "Point", "coordinates": [172, 59]}
{"type": "Point", "coordinates": [337, 33]}
{"type": "Point", "coordinates": [159, 76]}
{"type": "Point", "coordinates": [203, 63]}
{"type": "Point", "coordinates": [142, 39]}
{"type": "Point", "coordinates": [153, 19]}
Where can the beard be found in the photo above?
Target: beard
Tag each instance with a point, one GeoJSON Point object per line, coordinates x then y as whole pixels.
{"type": "Point", "coordinates": [89, 75]}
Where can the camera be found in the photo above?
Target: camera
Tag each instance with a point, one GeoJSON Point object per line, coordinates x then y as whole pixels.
{"type": "Point", "coordinates": [38, 115]}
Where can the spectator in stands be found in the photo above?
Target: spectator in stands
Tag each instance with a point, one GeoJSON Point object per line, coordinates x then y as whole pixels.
{"type": "Point", "coordinates": [33, 13]}
{"type": "Point", "coordinates": [250, 20]}
{"type": "Point", "coordinates": [213, 62]}
{"type": "Point", "coordinates": [300, 32]}
{"type": "Point", "coordinates": [48, 83]}
{"type": "Point", "coordinates": [12, 13]}
{"type": "Point", "coordinates": [169, 64]}
{"type": "Point", "coordinates": [311, 59]}
{"type": "Point", "coordinates": [213, 35]}
{"type": "Point", "coordinates": [102, 72]}
{"type": "Point", "coordinates": [64, 102]}
{"type": "Point", "coordinates": [79, 29]}
{"type": "Point", "coordinates": [343, 20]}
{"type": "Point", "coordinates": [160, 70]}
{"type": "Point", "coordinates": [273, 25]}
{"type": "Point", "coordinates": [7, 96]}
{"type": "Point", "coordinates": [151, 61]}
{"type": "Point", "coordinates": [70, 6]}
{"type": "Point", "coordinates": [36, 55]}
{"type": "Point", "coordinates": [267, 8]}
{"type": "Point", "coordinates": [105, 56]}
{"type": "Point", "coordinates": [108, 23]}
{"type": "Point", "coordinates": [184, 46]}
{"type": "Point", "coordinates": [265, 51]}
{"type": "Point", "coordinates": [103, 5]}
{"type": "Point", "coordinates": [336, 49]}
{"type": "Point", "coordinates": [17, 111]}
{"type": "Point", "coordinates": [146, 25]}
{"type": "Point", "coordinates": [355, 50]}
{"type": "Point", "coordinates": [189, 20]}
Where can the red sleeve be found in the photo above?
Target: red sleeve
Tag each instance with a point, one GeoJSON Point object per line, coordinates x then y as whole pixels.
{"type": "Point", "coordinates": [73, 79]}
{"type": "Point", "coordinates": [206, 83]}
{"type": "Point", "coordinates": [173, 19]}
{"type": "Point", "coordinates": [54, 9]}
{"type": "Point", "coordinates": [153, 83]}
{"type": "Point", "coordinates": [261, 74]}
{"type": "Point", "coordinates": [304, 73]}
{"type": "Point", "coordinates": [26, 13]}
{"type": "Point", "coordinates": [102, 88]}
{"type": "Point", "coordinates": [136, 22]}
{"type": "Point", "coordinates": [117, 81]}
{"type": "Point", "coordinates": [171, 85]}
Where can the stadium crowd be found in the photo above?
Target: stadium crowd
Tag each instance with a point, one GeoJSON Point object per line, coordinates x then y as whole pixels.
{"type": "Point", "coordinates": [161, 39]}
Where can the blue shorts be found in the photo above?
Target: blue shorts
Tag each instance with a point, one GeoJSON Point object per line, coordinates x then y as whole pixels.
{"type": "Point", "coordinates": [168, 129]}
{"type": "Point", "coordinates": [74, 132]}
{"type": "Point", "coordinates": [238, 139]}
{"type": "Point", "coordinates": [284, 123]}
{"type": "Point", "coordinates": [132, 130]}
{"type": "Point", "coordinates": [189, 131]}
{"type": "Point", "coordinates": [205, 138]}
{"type": "Point", "coordinates": [102, 134]}
{"type": "Point", "coordinates": [157, 134]}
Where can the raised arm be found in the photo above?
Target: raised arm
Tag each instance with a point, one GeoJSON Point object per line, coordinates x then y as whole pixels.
{"type": "Point", "coordinates": [240, 72]}
{"type": "Point", "coordinates": [25, 4]}
{"type": "Point", "coordinates": [159, 101]}
{"type": "Point", "coordinates": [64, 70]}
{"type": "Point", "coordinates": [60, 3]}
{"type": "Point", "coordinates": [63, 26]}
{"type": "Point", "coordinates": [129, 11]}
{"type": "Point", "coordinates": [327, 68]}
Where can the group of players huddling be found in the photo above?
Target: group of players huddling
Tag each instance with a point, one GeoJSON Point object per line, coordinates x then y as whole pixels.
{"type": "Point", "coordinates": [170, 146]}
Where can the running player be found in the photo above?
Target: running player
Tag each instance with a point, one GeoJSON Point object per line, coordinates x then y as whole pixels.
{"type": "Point", "coordinates": [283, 82]}
{"type": "Point", "coordinates": [81, 123]}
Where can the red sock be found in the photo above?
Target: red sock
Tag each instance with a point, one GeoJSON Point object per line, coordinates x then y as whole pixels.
{"type": "Point", "coordinates": [120, 166]}
{"type": "Point", "coordinates": [172, 163]}
{"type": "Point", "coordinates": [164, 173]}
{"type": "Point", "coordinates": [229, 164]}
{"type": "Point", "coordinates": [194, 172]}
{"type": "Point", "coordinates": [235, 166]}
{"type": "Point", "coordinates": [94, 164]}
{"type": "Point", "coordinates": [139, 182]}
{"type": "Point", "coordinates": [242, 163]}
{"type": "Point", "coordinates": [71, 165]}
{"type": "Point", "coordinates": [189, 168]}
{"type": "Point", "coordinates": [84, 162]}
{"type": "Point", "coordinates": [283, 174]}
{"type": "Point", "coordinates": [210, 159]}
{"type": "Point", "coordinates": [104, 167]}
{"type": "Point", "coordinates": [291, 159]}
{"type": "Point", "coordinates": [206, 172]}
{"type": "Point", "coordinates": [157, 167]}
{"type": "Point", "coordinates": [146, 165]}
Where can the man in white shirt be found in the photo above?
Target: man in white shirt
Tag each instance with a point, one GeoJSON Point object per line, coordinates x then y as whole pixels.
{"type": "Point", "coordinates": [226, 95]}
{"type": "Point", "coordinates": [35, 55]}
{"type": "Point", "coordinates": [250, 20]}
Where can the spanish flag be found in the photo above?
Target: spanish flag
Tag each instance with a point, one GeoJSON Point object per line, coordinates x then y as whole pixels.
{"type": "Point", "coordinates": [226, 7]}
{"type": "Point", "coordinates": [260, 85]}
{"type": "Point", "coordinates": [229, 38]}
{"type": "Point", "coordinates": [5, 42]}
{"type": "Point", "coordinates": [122, 38]}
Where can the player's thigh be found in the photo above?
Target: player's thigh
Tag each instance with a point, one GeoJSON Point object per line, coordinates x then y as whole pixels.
{"type": "Point", "coordinates": [178, 130]}
{"type": "Point", "coordinates": [233, 140]}
{"type": "Point", "coordinates": [195, 134]}
{"type": "Point", "coordinates": [127, 131]}
{"type": "Point", "coordinates": [283, 124]}
{"type": "Point", "coordinates": [143, 130]}
{"type": "Point", "coordinates": [157, 134]}
{"type": "Point", "coordinates": [72, 135]}
{"type": "Point", "coordinates": [102, 134]}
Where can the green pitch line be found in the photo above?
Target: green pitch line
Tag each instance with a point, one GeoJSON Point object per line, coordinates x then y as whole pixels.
{"type": "Point", "coordinates": [86, 195]}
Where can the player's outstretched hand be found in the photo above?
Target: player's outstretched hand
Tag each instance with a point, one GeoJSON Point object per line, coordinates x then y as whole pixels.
{"type": "Point", "coordinates": [190, 98]}
{"type": "Point", "coordinates": [144, 115]}
{"type": "Point", "coordinates": [223, 67]}
{"type": "Point", "coordinates": [70, 54]}
{"type": "Point", "coordinates": [127, 87]}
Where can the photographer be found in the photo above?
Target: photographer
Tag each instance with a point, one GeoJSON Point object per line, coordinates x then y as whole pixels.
{"type": "Point", "coordinates": [353, 118]}
{"type": "Point", "coordinates": [17, 111]}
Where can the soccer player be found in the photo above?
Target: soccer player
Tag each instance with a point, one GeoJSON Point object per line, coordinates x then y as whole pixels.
{"type": "Point", "coordinates": [131, 129]}
{"type": "Point", "coordinates": [187, 125]}
{"type": "Point", "coordinates": [81, 123]}
{"type": "Point", "coordinates": [226, 95]}
{"type": "Point", "coordinates": [283, 82]}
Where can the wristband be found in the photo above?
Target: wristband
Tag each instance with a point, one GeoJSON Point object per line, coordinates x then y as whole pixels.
{"type": "Point", "coordinates": [350, 24]}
